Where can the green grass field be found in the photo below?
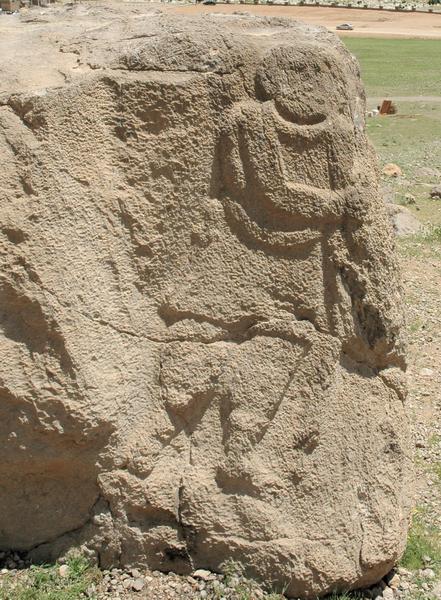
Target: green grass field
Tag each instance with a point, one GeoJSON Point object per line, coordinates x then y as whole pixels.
{"type": "Point", "coordinates": [397, 66]}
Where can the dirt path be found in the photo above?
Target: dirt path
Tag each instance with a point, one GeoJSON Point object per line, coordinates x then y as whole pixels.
{"type": "Point", "coordinates": [367, 23]}
{"type": "Point", "coordinates": [428, 99]}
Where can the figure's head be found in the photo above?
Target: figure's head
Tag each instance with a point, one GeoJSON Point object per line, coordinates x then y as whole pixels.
{"type": "Point", "coordinates": [317, 110]}
{"type": "Point", "coordinates": [306, 83]}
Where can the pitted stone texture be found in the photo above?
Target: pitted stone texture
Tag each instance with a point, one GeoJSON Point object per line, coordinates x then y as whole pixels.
{"type": "Point", "coordinates": [201, 355]}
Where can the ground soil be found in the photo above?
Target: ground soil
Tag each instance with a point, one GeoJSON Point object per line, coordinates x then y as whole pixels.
{"type": "Point", "coordinates": [422, 276]}
{"type": "Point", "coordinates": [367, 23]}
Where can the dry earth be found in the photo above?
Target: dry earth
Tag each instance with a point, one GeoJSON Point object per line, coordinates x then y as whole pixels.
{"type": "Point", "coordinates": [367, 23]}
{"type": "Point", "coordinates": [422, 278]}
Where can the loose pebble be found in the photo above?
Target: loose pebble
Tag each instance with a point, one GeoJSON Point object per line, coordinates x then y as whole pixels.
{"type": "Point", "coordinates": [138, 584]}
{"type": "Point", "coordinates": [63, 571]}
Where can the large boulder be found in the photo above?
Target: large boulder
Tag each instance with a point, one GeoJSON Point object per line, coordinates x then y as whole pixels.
{"type": "Point", "coordinates": [200, 313]}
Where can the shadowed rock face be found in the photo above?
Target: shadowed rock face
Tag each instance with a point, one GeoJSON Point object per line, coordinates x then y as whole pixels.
{"type": "Point", "coordinates": [199, 307]}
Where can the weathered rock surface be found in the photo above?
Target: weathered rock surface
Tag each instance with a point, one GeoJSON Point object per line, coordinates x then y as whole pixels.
{"type": "Point", "coordinates": [200, 319]}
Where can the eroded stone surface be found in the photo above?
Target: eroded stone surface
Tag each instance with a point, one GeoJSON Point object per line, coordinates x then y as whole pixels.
{"type": "Point", "coordinates": [200, 309]}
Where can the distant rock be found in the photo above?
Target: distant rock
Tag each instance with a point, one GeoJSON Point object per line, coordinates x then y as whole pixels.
{"type": "Point", "coordinates": [428, 173]}
{"type": "Point", "coordinates": [403, 220]}
{"type": "Point", "coordinates": [435, 192]}
{"type": "Point", "coordinates": [392, 170]}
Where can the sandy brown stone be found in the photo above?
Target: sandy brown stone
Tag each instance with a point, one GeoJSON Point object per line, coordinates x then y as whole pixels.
{"type": "Point", "coordinates": [201, 354]}
{"type": "Point", "coordinates": [392, 170]}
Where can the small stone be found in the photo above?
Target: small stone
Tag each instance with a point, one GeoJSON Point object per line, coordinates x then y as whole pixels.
{"type": "Point", "coordinates": [4, 571]}
{"type": "Point", "coordinates": [428, 573]}
{"type": "Point", "coordinates": [234, 581]}
{"type": "Point", "coordinates": [138, 584]}
{"type": "Point", "coordinates": [394, 582]}
{"type": "Point", "coordinates": [426, 372]}
{"type": "Point", "coordinates": [63, 571]}
{"type": "Point", "coordinates": [435, 192]}
{"type": "Point", "coordinates": [135, 573]}
{"type": "Point", "coordinates": [427, 560]}
{"type": "Point", "coordinates": [203, 574]}
{"type": "Point", "coordinates": [127, 583]}
{"type": "Point", "coordinates": [392, 170]}
{"type": "Point", "coordinates": [404, 585]}
{"type": "Point", "coordinates": [203, 594]}
{"type": "Point", "coordinates": [91, 591]}
{"type": "Point", "coordinates": [388, 594]}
